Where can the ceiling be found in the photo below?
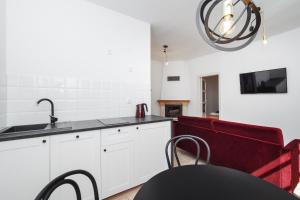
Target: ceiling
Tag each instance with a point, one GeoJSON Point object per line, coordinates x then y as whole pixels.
{"type": "Point", "coordinates": [173, 22]}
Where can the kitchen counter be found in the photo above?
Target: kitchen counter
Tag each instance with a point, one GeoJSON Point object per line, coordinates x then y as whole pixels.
{"type": "Point", "coordinates": [80, 126]}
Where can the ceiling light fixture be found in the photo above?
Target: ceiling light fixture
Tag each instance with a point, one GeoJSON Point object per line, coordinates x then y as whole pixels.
{"type": "Point", "coordinates": [166, 61]}
{"type": "Point", "coordinates": [264, 37]}
{"type": "Point", "coordinates": [228, 33]}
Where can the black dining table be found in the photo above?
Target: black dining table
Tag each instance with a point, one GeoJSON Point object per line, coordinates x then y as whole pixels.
{"type": "Point", "coordinates": [209, 182]}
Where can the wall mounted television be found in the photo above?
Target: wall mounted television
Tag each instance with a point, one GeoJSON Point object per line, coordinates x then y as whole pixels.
{"type": "Point", "coordinates": [269, 81]}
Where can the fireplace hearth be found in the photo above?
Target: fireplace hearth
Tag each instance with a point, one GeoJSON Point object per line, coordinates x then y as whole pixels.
{"type": "Point", "coordinates": [173, 110]}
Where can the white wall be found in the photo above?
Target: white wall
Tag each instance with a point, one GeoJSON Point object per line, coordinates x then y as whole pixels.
{"type": "Point", "coordinates": [2, 65]}
{"type": "Point", "coordinates": [278, 110]}
{"type": "Point", "coordinates": [156, 84]}
{"type": "Point", "coordinates": [93, 62]}
{"type": "Point", "coordinates": [176, 90]}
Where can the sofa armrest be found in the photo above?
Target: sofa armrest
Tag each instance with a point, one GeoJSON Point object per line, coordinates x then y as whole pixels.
{"type": "Point", "coordinates": [284, 170]}
{"type": "Point", "coordinates": [294, 149]}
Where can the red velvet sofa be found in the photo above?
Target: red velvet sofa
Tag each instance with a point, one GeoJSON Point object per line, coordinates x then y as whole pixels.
{"type": "Point", "coordinates": [253, 149]}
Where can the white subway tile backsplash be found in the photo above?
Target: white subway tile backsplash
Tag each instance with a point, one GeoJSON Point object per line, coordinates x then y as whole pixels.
{"type": "Point", "coordinates": [51, 93]}
{"type": "Point", "coordinates": [28, 93]}
{"type": "Point", "coordinates": [13, 80]}
{"type": "Point", "coordinates": [27, 118]}
{"type": "Point", "coordinates": [28, 81]}
{"type": "Point", "coordinates": [96, 84]}
{"type": "Point", "coordinates": [84, 84]}
{"type": "Point", "coordinates": [71, 83]}
{"type": "Point", "coordinates": [96, 93]}
{"type": "Point", "coordinates": [2, 121]}
{"type": "Point", "coordinates": [44, 82]}
{"type": "Point", "coordinates": [18, 93]}
{"type": "Point", "coordinates": [74, 98]}
{"type": "Point", "coordinates": [57, 82]}
{"type": "Point", "coordinates": [65, 105]}
{"type": "Point", "coordinates": [67, 115]}
{"type": "Point", "coordinates": [13, 93]}
{"type": "Point", "coordinates": [71, 94]}
{"type": "Point", "coordinates": [3, 80]}
{"type": "Point", "coordinates": [2, 93]}
{"type": "Point", "coordinates": [42, 107]}
{"type": "Point", "coordinates": [57, 93]}
{"type": "Point", "coordinates": [21, 106]}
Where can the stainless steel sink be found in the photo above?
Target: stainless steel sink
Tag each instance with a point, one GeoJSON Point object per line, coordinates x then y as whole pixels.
{"type": "Point", "coordinates": [25, 128]}
{"type": "Point", "coordinates": [35, 129]}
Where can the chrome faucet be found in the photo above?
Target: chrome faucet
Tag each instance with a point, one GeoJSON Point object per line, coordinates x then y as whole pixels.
{"type": "Point", "coordinates": [53, 119]}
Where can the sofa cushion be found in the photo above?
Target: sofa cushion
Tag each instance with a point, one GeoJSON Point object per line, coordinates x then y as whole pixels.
{"type": "Point", "coordinates": [269, 134]}
{"type": "Point", "coordinates": [196, 121]}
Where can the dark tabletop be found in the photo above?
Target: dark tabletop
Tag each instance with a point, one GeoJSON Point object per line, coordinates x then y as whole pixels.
{"type": "Point", "coordinates": [207, 182]}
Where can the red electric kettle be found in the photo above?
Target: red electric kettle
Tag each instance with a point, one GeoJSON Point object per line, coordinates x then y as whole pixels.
{"type": "Point", "coordinates": [140, 110]}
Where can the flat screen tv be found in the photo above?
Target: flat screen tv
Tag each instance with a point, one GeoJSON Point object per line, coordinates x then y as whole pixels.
{"type": "Point", "coordinates": [270, 81]}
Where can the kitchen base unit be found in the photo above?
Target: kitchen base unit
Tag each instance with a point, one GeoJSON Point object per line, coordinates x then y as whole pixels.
{"type": "Point", "coordinates": [119, 158]}
{"type": "Point", "coordinates": [24, 168]}
{"type": "Point", "coordinates": [132, 155]}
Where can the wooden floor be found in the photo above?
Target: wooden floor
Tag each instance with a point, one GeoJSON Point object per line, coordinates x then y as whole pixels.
{"type": "Point", "coordinates": [185, 159]}
{"type": "Point", "coordinates": [211, 116]}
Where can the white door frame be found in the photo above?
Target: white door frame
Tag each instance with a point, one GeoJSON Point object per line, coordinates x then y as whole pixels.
{"type": "Point", "coordinates": [219, 84]}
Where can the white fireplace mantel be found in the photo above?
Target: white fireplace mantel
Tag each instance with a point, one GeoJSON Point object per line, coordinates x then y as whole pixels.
{"type": "Point", "coordinates": [164, 102]}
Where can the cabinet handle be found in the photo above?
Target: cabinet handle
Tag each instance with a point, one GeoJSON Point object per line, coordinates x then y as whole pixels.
{"type": "Point", "coordinates": [137, 128]}
{"type": "Point", "coordinates": [104, 150]}
{"type": "Point", "coordinates": [119, 130]}
{"type": "Point", "coordinates": [77, 136]}
{"type": "Point", "coordinates": [44, 141]}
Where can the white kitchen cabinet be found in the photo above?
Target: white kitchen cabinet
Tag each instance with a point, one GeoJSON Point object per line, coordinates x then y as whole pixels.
{"type": "Point", "coordinates": [132, 155]}
{"type": "Point", "coordinates": [24, 168]}
{"type": "Point", "coordinates": [149, 150]}
{"type": "Point", "coordinates": [116, 160]}
{"type": "Point", "coordinates": [75, 151]}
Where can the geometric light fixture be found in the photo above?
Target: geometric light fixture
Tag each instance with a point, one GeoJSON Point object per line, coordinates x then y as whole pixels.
{"type": "Point", "coordinates": [230, 28]}
{"type": "Point", "coordinates": [166, 61]}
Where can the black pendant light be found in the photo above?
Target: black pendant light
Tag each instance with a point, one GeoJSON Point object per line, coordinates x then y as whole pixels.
{"type": "Point", "coordinates": [234, 30]}
{"type": "Point", "coordinates": [166, 61]}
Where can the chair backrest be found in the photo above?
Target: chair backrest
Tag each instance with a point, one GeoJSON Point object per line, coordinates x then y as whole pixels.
{"type": "Point", "coordinates": [174, 142]}
{"type": "Point", "coordinates": [61, 180]}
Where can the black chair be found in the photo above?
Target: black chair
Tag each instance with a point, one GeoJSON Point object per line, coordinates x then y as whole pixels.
{"type": "Point", "coordinates": [175, 140]}
{"type": "Point", "coordinates": [61, 180]}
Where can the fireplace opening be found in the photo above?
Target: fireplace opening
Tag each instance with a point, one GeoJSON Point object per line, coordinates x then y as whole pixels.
{"type": "Point", "coordinates": [173, 110]}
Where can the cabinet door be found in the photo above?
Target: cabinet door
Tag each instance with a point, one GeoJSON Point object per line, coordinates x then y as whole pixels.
{"type": "Point", "coordinates": [24, 168]}
{"type": "Point", "coordinates": [150, 142]}
{"type": "Point", "coordinates": [116, 161]}
{"type": "Point", "coordinates": [76, 151]}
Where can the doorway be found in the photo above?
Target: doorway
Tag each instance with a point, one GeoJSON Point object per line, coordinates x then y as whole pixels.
{"type": "Point", "coordinates": [210, 96]}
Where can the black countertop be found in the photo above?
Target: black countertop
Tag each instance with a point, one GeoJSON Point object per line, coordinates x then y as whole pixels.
{"type": "Point", "coordinates": [80, 126]}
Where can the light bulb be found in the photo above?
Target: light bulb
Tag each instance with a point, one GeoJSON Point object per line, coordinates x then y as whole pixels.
{"type": "Point", "coordinates": [265, 40]}
{"type": "Point", "coordinates": [226, 26]}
